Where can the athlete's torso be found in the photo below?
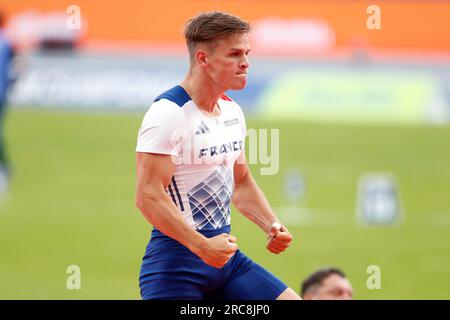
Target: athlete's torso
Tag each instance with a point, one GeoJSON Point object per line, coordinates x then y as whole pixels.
{"type": "Point", "coordinates": [204, 149]}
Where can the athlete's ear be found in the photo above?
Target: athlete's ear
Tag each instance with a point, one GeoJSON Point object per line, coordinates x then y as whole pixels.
{"type": "Point", "coordinates": [200, 56]}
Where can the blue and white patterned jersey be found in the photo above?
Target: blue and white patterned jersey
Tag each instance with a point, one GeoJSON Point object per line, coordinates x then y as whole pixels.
{"type": "Point", "coordinates": [204, 149]}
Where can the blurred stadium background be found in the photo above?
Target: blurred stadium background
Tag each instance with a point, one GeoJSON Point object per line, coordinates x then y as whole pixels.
{"type": "Point", "coordinates": [348, 101]}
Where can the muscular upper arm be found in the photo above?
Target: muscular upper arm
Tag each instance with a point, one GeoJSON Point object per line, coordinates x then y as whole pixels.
{"type": "Point", "coordinates": [154, 172]}
{"type": "Point", "coordinates": [240, 169]}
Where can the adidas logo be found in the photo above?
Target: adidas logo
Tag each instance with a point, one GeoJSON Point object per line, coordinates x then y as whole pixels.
{"type": "Point", "coordinates": [202, 129]}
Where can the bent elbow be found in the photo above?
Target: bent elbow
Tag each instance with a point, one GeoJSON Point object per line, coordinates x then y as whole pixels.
{"type": "Point", "coordinates": [143, 200]}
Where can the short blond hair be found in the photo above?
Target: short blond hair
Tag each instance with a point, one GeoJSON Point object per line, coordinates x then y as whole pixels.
{"type": "Point", "coordinates": [209, 27]}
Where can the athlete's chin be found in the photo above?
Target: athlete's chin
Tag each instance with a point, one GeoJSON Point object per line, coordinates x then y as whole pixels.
{"type": "Point", "coordinates": [238, 85]}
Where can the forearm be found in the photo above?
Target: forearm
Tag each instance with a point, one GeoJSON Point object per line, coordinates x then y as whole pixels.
{"type": "Point", "coordinates": [252, 203]}
{"type": "Point", "coordinates": [162, 213]}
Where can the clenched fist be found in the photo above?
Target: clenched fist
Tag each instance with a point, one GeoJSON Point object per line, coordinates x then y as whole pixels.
{"type": "Point", "coordinates": [278, 239]}
{"type": "Point", "coordinates": [218, 250]}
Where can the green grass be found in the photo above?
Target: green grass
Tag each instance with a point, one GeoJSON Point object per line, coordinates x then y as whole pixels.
{"type": "Point", "coordinates": [72, 202]}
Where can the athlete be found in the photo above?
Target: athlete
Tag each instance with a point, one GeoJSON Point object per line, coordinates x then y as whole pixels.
{"type": "Point", "coordinates": [6, 60]}
{"type": "Point", "coordinates": [191, 166]}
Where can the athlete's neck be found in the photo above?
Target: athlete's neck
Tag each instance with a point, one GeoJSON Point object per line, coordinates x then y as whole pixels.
{"type": "Point", "coordinates": [202, 92]}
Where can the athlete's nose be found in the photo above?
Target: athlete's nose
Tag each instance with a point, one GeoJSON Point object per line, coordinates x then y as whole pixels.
{"type": "Point", "coordinates": [245, 63]}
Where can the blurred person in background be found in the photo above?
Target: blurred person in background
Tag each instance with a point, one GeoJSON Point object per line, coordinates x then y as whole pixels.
{"type": "Point", "coordinates": [327, 284]}
{"type": "Point", "coordinates": [6, 55]}
{"type": "Point", "coordinates": [191, 166]}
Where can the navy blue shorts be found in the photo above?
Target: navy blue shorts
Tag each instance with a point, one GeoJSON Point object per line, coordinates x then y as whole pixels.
{"type": "Point", "coordinates": [171, 271]}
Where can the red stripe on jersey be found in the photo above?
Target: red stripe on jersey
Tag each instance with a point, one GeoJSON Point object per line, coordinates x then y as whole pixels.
{"type": "Point", "coordinates": [224, 97]}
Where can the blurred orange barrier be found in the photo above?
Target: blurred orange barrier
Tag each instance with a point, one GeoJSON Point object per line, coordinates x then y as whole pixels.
{"type": "Point", "coordinates": [404, 25]}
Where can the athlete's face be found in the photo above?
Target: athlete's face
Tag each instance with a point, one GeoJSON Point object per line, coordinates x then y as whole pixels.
{"type": "Point", "coordinates": [227, 63]}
